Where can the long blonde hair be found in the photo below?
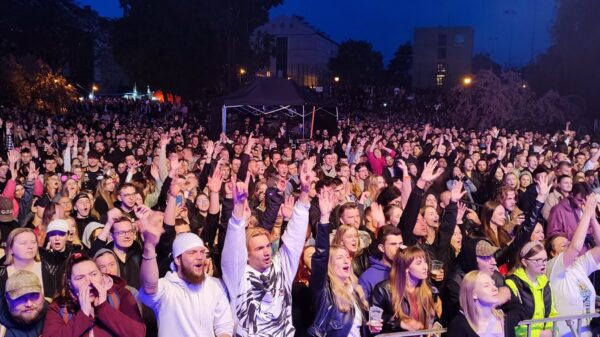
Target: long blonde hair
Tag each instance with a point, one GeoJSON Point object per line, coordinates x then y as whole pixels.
{"type": "Point", "coordinates": [398, 280]}
{"type": "Point", "coordinates": [338, 238]}
{"type": "Point", "coordinates": [101, 191]}
{"type": "Point", "coordinates": [470, 307]}
{"type": "Point", "coordinates": [345, 293]}
{"type": "Point", "coordinates": [10, 240]}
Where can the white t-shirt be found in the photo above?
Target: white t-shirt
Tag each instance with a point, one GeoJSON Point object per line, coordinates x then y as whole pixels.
{"type": "Point", "coordinates": [184, 309]}
{"type": "Point", "coordinates": [572, 291]}
{"type": "Point", "coordinates": [357, 322]}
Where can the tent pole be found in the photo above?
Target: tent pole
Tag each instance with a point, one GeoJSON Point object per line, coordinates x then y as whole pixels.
{"type": "Point", "coordinates": [312, 124]}
{"type": "Point", "coordinates": [224, 119]}
{"type": "Point", "coordinates": [303, 115]}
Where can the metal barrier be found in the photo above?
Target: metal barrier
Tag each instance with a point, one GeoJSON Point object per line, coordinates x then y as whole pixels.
{"type": "Point", "coordinates": [568, 320]}
{"type": "Point", "coordinates": [437, 332]}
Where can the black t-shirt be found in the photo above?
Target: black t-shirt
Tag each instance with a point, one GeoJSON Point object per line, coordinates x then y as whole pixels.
{"type": "Point", "coordinates": [92, 179]}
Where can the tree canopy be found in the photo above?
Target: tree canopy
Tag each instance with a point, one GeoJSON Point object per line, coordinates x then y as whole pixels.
{"type": "Point", "coordinates": [357, 63]}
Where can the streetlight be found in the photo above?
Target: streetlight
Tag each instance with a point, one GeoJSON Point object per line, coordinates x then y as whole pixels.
{"type": "Point", "coordinates": [94, 89]}
{"type": "Point", "coordinates": [336, 79]}
{"type": "Point", "coordinates": [467, 80]}
{"type": "Point", "coordinates": [242, 71]}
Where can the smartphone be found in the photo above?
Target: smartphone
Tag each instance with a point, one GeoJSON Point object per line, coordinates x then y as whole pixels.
{"type": "Point", "coordinates": [179, 200]}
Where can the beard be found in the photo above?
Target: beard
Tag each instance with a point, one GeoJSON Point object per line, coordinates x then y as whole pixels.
{"type": "Point", "coordinates": [28, 318]}
{"type": "Point", "coordinates": [191, 276]}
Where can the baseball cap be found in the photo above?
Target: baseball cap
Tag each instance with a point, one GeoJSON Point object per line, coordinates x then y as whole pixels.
{"type": "Point", "coordinates": [484, 248]}
{"type": "Point", "coordinates": [22, 282]}
{"type": "Point", "coordinates": [58, 225]}
{"type": "Point", "coordinates": [80, 196]}
{"type": "Point", "coordinates": [6, 210]}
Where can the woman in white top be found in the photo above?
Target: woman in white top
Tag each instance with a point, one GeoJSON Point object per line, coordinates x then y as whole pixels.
{"type": "Point", "coordinates": [22, 254]}
{"type": "Point", "coordinates": [568, 271]}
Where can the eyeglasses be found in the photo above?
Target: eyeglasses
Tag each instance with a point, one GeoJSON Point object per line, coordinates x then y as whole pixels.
{"type": "Point", "coordinates": [539, 261]}
{"type": "Point", "coordinates": [128, 195]}
{"type": "Point", "coordinates": [124, 233]}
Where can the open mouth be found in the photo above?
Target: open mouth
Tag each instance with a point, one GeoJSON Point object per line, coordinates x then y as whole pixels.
{"type": "Point", "coordinates": [346, 268]}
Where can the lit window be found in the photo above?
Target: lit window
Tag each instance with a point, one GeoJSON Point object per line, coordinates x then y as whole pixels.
{"type": "Point", "coordinates": [441, 68]}
{"type": "Point", "coordinates": [439, 80]}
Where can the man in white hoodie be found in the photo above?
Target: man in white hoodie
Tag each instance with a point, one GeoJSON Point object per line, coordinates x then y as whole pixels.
{"type": "Point", "coordinates": [260, 282]}
{"type": "Point", "coordinates": [186, 301]}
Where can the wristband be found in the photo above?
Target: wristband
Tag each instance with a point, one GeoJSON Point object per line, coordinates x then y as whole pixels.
{"type": "Point", "coordinates": [150, 257]}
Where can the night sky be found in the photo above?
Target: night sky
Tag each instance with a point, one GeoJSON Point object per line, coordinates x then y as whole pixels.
{"type": "Point", "coordinates": [512, 31]}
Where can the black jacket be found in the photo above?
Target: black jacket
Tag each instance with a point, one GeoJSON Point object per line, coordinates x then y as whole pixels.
{"type": "Point", "coordinates": [329, 321]}
{"type": "Point", "coordinates": [130, 269]}
{"type": "Point", "coordinates": [460, 326]}
{"type": "Point", "coordinates": [381, 297]}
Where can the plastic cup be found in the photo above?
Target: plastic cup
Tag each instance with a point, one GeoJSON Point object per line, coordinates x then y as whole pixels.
{"type": "Point", "coordinates": [437, 267]}
{"type": "Point", "coordinates": [375, 314]}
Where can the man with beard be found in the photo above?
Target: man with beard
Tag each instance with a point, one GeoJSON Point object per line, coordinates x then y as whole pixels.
{"type": "Point", "coordinates": [186, 301]}
{"type": "Point", "coordinates": [23, 309]}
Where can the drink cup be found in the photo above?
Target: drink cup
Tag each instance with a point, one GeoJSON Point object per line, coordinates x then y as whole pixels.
{"type": "Point", "coordinates": [375, 314]}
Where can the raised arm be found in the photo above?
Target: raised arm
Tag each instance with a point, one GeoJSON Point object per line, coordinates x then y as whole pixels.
{"type": "Point", "coordinates": [578, 239]}
{"type": "Point", "coordinates": [151, 231]}
{"type": "Point", "coordinates": [295, 235]}
{"type": "Point", "coordinates": [235, 255]}
{"type": "Point", "coordinates": [320, 258]}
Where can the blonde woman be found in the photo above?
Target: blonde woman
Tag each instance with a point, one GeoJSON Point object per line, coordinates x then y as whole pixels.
{"type": "Point", "coordinates": [105, 195]}
{"type": "Point", "coordinates": [339, 299]}
{"type": "Point", "coordinates": [349, 237]}
{"type": "Point", "coordinates": [479, 315]}
{"type": "Point", "coordinates": [409, 303]}
{"type": "Point", "coordinates": [22, 254]}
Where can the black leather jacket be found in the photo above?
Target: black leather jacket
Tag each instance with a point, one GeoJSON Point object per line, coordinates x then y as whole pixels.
{"type": "Point", "coordinates": [329, 321]}
{"type": "Point", "coordinates": [381, 297]}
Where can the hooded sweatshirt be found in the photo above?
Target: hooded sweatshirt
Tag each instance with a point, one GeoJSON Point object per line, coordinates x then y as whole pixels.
{"type": "Point", "coordinates": [15, 329]}
{"type": "Point", "coordinates": [376, 273]}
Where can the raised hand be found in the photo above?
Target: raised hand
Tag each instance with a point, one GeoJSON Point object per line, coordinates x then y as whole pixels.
{"type": "Point", "coordinates": [457, 191]}
{"type": "Point", "coordinates": [327, 202]}
{"type": "Point", "coordinates": [307, 175]}
{"type": "Point", "coordinates": [589, 208]}
{"type": "Point", "coordinates": [174, 166]}
{"type": "Point", "coordinates": [281, 184]}
{"type": "Point", "coordinates": [13, 157]}
{"type": "Point", "coordinates": [165, 139]}
{"type": "Point", "coordinates": [154, 172]}
{"type": "Point", "coordinates": [543, 185]}
{"type": "Point", "coordinates": [287, 208]}
{"type": "Point", "coordinates": [377, 214]}
{"type": "Point", "coordinates": [102, 292]}
{"type": "Point", "coordinates": [429, 173]}
{"type": "Point", "coordinates": [403, 167]}
{"type": "Point", "coordinates": [215, 181]}
{"type": "Point", "coordinates": [240, 191]}
{"type": "Point", "coordinates": [462, 209]}
{"type": "Point", "coordinates": [210, 148]}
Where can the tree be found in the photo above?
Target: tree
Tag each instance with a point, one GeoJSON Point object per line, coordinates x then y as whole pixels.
{"type": "Point", "coordinates": [55, 31]}
{"type": "Point", "coordinates": [507, 100]}
{"type": "Point", "coordinates": [398, 71]}
{"type": "Point", "coordinates": [570, 64]}
{"type": "Point", "coordinates": [186, 46]}
{"type": "Point", "coordinates": [30, 83]}
{"type": "Point", "coordinates": [357, 63]}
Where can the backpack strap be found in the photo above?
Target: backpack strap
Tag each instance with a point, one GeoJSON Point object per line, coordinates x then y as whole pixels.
{"type": "Point", "coordinates": [65, 314]}
{"type": "Point", "coordinates": [114, 300]}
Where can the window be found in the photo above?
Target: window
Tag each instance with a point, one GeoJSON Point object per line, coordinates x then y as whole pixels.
{"type": "Point", "coordinates": [439, 80]}
{"type": "Point", "coordinates": [441, 53]}
{"type": "Point", "coordinates": [459, 39]}
{"type": "Point", "coordinates": [441, 68]}
{"type": "Point", "coordinates": [442, 39]}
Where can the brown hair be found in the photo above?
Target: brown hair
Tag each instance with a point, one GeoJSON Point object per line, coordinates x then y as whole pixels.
{"type": "Point", "coordinates": [398, 278]}
{"type": "Point", "coordinates": [503, 238]}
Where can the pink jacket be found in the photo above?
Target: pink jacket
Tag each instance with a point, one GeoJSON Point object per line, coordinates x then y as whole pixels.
{"type": "Point", "coordinates": [9, 192]}
{"type": "Point", "coordinates": [378, 164]}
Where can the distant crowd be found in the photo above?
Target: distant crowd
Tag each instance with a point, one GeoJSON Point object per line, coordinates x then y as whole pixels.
{"type": "Point", "coordinates": [125, 218]}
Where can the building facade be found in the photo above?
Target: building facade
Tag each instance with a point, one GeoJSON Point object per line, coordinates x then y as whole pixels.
{"type": "Point", "coordinates": [302, 52]}
{"type": "Point", "coordinates": [442, 56]}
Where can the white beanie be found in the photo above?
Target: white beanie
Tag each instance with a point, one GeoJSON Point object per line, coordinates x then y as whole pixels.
{"type": "Point", "coordinates": [183, 242]}
{"type": "Point", "coordinates": [58, 225]}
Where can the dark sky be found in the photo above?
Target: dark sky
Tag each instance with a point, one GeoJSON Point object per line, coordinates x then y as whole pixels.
{"type": "Point", "coordinates": [512, 31]}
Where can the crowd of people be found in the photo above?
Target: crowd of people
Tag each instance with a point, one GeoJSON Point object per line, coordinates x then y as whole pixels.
{"type": "Point", "coordinates": [129, 219]}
